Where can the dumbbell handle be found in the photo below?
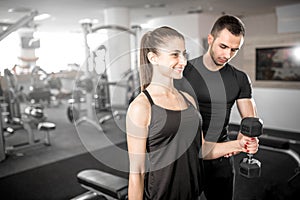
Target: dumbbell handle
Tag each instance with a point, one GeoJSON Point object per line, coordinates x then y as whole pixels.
{"type": "Point", "coordinates": [250, 157]}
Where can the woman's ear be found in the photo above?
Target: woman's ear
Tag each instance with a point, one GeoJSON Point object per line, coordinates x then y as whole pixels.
{"type": "Point", "coordinates": [152, 57]}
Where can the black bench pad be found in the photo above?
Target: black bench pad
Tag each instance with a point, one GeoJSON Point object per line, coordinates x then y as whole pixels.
{"type": "Point", "coordinates": [106, 183]}
{"type": "Point", "coordinates": [274, 142]}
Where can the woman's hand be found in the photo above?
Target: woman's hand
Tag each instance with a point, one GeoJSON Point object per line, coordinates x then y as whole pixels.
{"type": "Point", "coordinates": [249, 144]}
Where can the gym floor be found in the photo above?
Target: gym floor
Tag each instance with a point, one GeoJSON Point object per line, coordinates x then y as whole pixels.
{"type": "Point", "coordinates": [49, 172]}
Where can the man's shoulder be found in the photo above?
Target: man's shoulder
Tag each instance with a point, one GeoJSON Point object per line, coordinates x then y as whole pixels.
{"type": "Point", "coordinates": [236, 70]}
{"type": "Point", "coordinates": [196, 61]}
{"type": "Point", "coordinates": [239, 74]}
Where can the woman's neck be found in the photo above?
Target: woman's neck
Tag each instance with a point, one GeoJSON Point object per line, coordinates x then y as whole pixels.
{"type": "Point", "coordinates": [162, 83]}
{"type": "Point", "coordinates": [162, 88]}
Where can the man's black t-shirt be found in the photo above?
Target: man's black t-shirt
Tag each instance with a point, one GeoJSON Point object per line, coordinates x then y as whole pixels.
{"type": "Point", "coordinates": [216, 93]}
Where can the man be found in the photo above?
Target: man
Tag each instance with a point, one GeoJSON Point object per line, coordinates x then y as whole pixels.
{"type": "Point", "coordinates": [217, 85]}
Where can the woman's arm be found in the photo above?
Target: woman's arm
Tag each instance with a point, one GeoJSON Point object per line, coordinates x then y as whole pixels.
{"type": "Point", "coordinates": [213, 150]}
{"type": "Point", "coordinates": [137, 121]}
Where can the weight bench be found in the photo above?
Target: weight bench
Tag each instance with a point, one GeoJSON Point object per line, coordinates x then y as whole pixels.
{"type": "Point", "coordinates": [107, 185]}
{"type": "Point", "coordinates": [102, 184]}
{"type": "Point", "coordinates": [281, 145]}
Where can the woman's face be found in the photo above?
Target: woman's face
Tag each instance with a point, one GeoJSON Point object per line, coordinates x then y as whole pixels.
{"type": "Point", "coordinates": [171, 58]}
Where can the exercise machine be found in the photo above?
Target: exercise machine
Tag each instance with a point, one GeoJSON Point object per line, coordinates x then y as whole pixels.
{"type": "Point", "coordinates": [2, 130]}
{"type": "Point", "coordinates": [288, 188]}
{"type": "Point", "coordinates": [11, 97]}
{"type": "Point", "coordinates": [32, 119]}
{"type": "Point", "coordinates": [94, 91]}
{"type": "Point", "coordinates": [114, 110]}
{"type": "Point", "coordinates": [130, 80]}
{"type": "Point", "coordinates": [77, 104]}
{"type": "Point", "coordinates": [39, 89]}
{"type": "Point", "coordinates": [15, 119]}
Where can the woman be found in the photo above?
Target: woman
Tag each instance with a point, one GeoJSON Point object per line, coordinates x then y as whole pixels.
{"type": "Point", "coordinates": [164, 126]}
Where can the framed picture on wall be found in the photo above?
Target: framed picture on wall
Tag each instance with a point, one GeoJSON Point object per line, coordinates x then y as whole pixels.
{"type": "Point", "coordinates": [278, 63]}
{"type": "Point", "coordinates": [272, 61]}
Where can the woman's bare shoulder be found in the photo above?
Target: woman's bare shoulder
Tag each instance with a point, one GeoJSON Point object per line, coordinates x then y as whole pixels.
{"type": "Point", "coordinates": [139, 110]}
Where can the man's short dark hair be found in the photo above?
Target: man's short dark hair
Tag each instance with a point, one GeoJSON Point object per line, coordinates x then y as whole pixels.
{"type": "Point", "coordinates": [232, 23]}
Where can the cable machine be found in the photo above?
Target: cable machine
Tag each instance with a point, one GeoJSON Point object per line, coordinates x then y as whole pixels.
{"type": "Point", "coordinates": [102, 101]}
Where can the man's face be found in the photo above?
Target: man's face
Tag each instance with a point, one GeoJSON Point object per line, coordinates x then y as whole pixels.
{"type": "Point", "coordinates": [224, 46]}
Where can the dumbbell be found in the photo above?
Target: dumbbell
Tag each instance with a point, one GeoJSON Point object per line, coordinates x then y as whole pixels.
{"type": "Point", "coordinates": [251, 127]}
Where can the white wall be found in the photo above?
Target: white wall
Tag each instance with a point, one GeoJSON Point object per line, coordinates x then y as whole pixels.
{"type": "Point", "coordinates": [288, 18]}
{"type": "Point", "coordinates": [260, 25]}
{"type": "Point", "coordinates": [279, 108]}
{"type": "Point", "coordinates": [194, 27]}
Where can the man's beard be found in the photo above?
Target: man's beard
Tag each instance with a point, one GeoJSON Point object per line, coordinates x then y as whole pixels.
{"type": "Point", "coordinates": [214, 60]}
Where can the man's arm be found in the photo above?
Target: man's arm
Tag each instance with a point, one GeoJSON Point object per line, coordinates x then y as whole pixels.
{"type": "Point", "coordinates": [247, 108]}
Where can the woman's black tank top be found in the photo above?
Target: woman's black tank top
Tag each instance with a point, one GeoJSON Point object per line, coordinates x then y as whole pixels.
{"type": "Point", "coordinates": [174, 170]}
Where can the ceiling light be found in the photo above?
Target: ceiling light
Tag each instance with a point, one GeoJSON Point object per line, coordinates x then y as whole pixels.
{"type": "Point", "coordinates": [156, 5]}
{"type": "Point", "coordinates": [20, 9]}
{"type": "Point", "coordinates": [196, 10]}
{"type": "Point", "coordinates": [42, 17]}
{"type": "Point", "coordinates": [88, 21]}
